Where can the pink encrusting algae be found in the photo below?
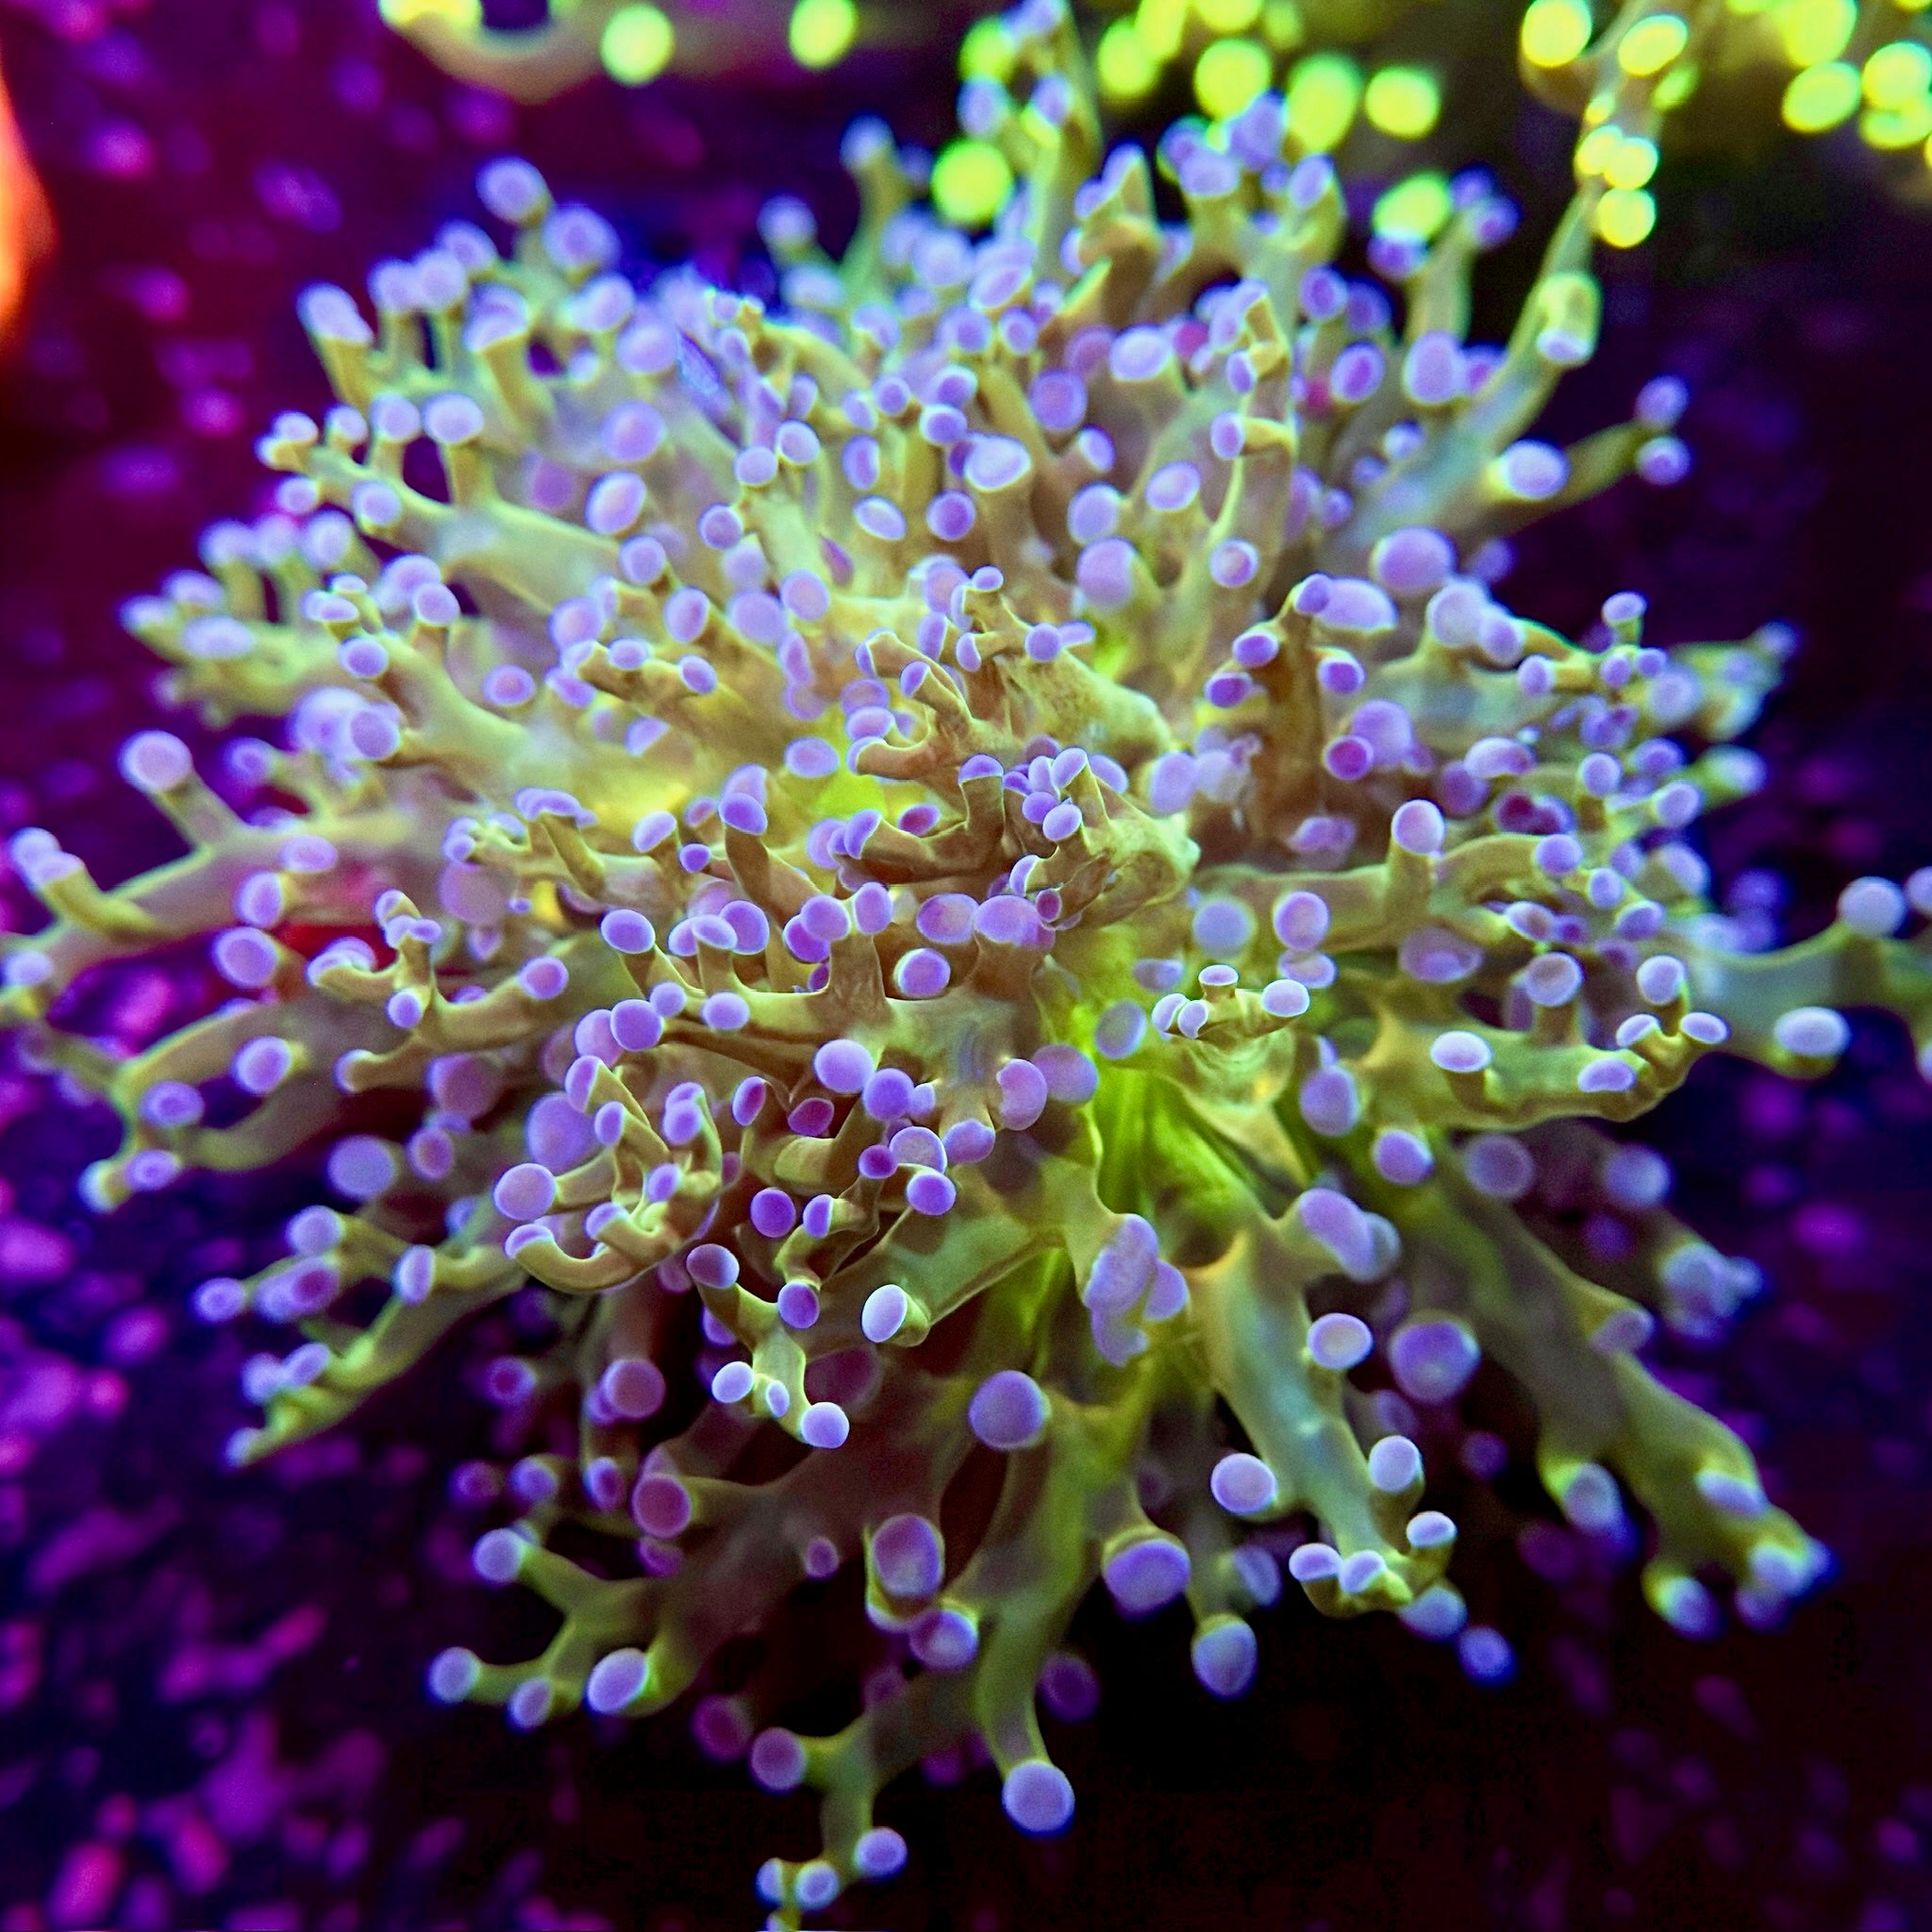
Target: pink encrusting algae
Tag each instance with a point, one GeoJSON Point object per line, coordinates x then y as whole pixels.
{"type": "Point", "coordinates": [982, 837]}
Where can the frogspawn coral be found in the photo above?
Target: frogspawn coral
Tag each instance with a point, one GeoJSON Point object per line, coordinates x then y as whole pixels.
{"type": "Point", "coordinates": [634, 41]}
{"type": "Point", "coordinates": [1829, 63]}
{"type": "Point", "coordinates": [975, 853]}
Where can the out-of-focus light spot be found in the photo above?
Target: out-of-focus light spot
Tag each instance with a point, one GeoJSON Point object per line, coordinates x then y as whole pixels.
{"type": "Point", "coordinates": [971, 182]}
{"type": "Point", "coordinates": [1626, 216]}
{"type": "Point", "coordinates": [1892, 128]}
{"type": "Point", "coordinates": [1282, 25]}
{"type": "Point", "coordinates": [466, 16]}
{"type": "Point", "coordinates": [1676, 87]}
{"type": "Point", "coordinates": [1595, 150]}
{"type": "Point", "coordinates": [1822, 98]}
{"type": "Point", "coordinates": [1555, 32]}
{"type": "Point", "coordinates": [1228, 16]}
{"type": "Point", "coordinates": [1229, 75]}
{"type": "Point", "coordinates": [1323, 94]}
{"type": "Point", "coordinates": [637, 45]}
{"type": "Point", "coordinates": [1652, 45]}
{"type": "Point", "coordinates": [1123, 63]}
{"type": "Point", "coordinates": [1163, 24]}
{"type": "Point", "coordinates": [1897, 84]}
{"type": "Point", "coordinates": [1816, 31]}
{"type": "Point", "coordinates": [1402, 101]}
{"type": "Point", "coordinates": [1631, 163]}
{"type": "Point", "coordinates": [986, 52]}
{"type": "Point", "coordinates": [1415, 209]}
{"type": "Point", "coordinates": [822, 31]}
{"type": "Point", "coordinates": [1897, 75]}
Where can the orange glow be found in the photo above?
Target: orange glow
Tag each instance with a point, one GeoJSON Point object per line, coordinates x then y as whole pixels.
{"type": "Point", "coordinates": [27, 228]}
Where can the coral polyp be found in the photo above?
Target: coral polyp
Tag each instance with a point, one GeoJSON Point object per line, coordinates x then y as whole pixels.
{"type": "Point", "coordinates": [973, 855]}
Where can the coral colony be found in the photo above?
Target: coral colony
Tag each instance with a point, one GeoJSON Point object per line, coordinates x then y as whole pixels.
{"type": "Point", "coordinates": [1825, 63]}
{"type": "Point", "coordinates": [634, 41]}
{"type": "Point", "coordinates": [975, 852]}
{"type": "Point", "coordinates": [1828, 62]}
{"type": "Point", "coordinates": [1231, 50]}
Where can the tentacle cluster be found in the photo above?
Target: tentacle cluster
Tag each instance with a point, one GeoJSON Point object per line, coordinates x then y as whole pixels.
{"type": "Point", "coordinates": [1827, 64]}
{"type": "Point", "coordinates": [1815, 65]}
{"type": "Point", "coordinates": [635, 41]}
{"type": "Point", "coordinates": [975, 854]}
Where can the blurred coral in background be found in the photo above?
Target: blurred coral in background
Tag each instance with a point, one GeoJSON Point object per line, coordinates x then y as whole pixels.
{"type": "Point", "coordinates": [633, 41]}
{"type": "Point", "coordinates": [1707, 74]}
